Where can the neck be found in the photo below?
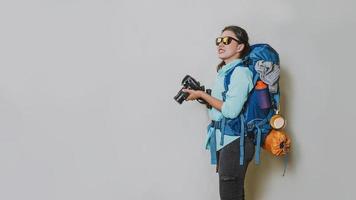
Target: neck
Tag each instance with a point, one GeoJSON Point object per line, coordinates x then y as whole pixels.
{"type": "Point", "coordinates": [229, 60]}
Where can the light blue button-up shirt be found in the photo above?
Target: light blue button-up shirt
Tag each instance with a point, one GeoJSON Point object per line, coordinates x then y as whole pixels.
{"type": "Point", "coordinates": [240, 86]}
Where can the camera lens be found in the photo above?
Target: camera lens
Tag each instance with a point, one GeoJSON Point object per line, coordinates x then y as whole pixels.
{"type": "Point", "coordinates": [181, 96]}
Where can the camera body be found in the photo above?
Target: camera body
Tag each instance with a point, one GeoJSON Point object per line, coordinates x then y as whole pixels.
{"type": "Point", "coordinates": [189, 82]}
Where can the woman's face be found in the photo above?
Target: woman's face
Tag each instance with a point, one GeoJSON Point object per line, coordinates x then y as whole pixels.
{"type": "Point", "coordinates": [230, 51]}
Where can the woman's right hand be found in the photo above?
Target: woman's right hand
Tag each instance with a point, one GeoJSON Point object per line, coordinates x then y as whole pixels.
{"type": "Point", "coordinates": [193, 94]}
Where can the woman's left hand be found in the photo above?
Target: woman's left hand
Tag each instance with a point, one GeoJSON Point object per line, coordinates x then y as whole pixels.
{"type": "Point", "coordinates": [193, 94]}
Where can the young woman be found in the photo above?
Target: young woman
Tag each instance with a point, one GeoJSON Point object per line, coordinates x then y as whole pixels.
{"type": "Point", "coordinates": [232, 46]}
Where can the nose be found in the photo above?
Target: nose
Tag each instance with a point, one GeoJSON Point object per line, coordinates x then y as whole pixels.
{"type": "Point", "coordinates": [220, 44]}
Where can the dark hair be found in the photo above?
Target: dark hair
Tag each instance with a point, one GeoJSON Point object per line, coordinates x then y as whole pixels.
{"type": "Point", "coordinates": [241, 35]}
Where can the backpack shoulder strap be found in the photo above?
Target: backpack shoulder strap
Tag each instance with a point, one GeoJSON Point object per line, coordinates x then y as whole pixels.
{"type": "Point", "coordinates": [227, 81]}
{"type": "Point", "coordinates": [228, 78]}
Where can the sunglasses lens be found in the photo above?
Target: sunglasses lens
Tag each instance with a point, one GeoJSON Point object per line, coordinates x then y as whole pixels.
{"type": "Point", "coordinates": [226, 40]}
{"type": "Point", "coordinates": [217, 41]}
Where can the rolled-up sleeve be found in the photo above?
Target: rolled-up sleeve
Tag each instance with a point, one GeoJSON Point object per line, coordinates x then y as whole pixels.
{"type": "Point", "coordinates": [240, 86]}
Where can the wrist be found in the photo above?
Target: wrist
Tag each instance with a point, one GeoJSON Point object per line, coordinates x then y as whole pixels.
{"type": "Point", "coordinates": [201, 94]}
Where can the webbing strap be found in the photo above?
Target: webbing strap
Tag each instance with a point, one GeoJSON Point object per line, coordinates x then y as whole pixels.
{"type": "Point", "coordinates": [285, 164]}
{"type": "Point", "coordinates": [255, 78]}
{"type": "Point", "coordinates": [222, 128]}
{"type": "Point", "coordinates": [222, 131]}
{"type": "Point", "coordinates": [212, 144]}
{"type": "Point", "coordinates": [242, 140]}
{"type": "Point", "coordinates": [258, 146]}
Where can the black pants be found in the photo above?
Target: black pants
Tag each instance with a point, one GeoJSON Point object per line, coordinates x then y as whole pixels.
{"type": "Point", "coordinates": [231, 173]}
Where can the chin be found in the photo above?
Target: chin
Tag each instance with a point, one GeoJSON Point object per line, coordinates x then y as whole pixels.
{"type": "Point", "coordinates": [222, 56]}
{"type": "Point", "coordinates": [225, 55]}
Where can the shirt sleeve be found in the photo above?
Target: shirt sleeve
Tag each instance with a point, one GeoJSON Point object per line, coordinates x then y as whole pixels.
{"type": "Point", "coordinates": [240, 86]}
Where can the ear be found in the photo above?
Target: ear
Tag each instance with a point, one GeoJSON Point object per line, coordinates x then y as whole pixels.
{"type": "Point", "coordinates": [240, 48]}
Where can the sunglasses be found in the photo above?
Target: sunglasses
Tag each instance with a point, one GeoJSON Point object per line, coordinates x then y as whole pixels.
{"type": "Point", "coordinates": [225, 40]}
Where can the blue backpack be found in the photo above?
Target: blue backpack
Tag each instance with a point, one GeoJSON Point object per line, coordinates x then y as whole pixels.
{"type": "Point", "coordinates": [260, 106]}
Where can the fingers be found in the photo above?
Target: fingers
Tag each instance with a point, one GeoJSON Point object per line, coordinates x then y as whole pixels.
{"type": "Point", "coordinates": [189, 98]}
{"type": "Point", "coordinates": [187, 90]}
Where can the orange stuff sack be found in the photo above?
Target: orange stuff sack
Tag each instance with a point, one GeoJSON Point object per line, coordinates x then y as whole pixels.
{"type": "Point", "coordinates": [277, 142]}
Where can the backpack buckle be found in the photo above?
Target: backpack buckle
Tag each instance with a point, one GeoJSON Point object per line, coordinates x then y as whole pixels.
{"type": "Point", "coordinates": [246, 61]}
{"type": "Point", "coordinates": [250, 126]}
{"type": "Point", "coordinates": [216, 124]}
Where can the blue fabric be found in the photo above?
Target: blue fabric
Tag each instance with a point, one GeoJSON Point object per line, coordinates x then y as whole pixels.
{"type": "Point", "coordinates": [242, 140]}
{"type": "Point", "coordinates": [212, 144]}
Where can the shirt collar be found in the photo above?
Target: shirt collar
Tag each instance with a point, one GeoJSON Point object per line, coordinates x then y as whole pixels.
{"type": "Point", "coordinates": [228, 66]}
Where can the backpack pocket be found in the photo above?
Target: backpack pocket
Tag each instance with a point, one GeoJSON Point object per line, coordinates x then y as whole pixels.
{"type": "Point", "coordinates": [231, 127]}
{"type": "Point", "coordinates": [262, 95]}
{"type": "Point", "coordinates": [259, 104]}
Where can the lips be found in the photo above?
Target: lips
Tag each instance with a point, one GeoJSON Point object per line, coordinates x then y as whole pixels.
{"type": "Point", "coordinates": [221, 50]}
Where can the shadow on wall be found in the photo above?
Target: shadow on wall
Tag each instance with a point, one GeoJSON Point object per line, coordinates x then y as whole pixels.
{"type": "Point", "coordinates": [260, 176]}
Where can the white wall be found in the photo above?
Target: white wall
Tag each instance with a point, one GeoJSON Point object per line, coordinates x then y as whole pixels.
{"type": "Point", "coordinates": [87, 109]}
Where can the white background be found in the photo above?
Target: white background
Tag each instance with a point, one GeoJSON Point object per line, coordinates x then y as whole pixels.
{"type": "Point", "coordinates": [87, 87]}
